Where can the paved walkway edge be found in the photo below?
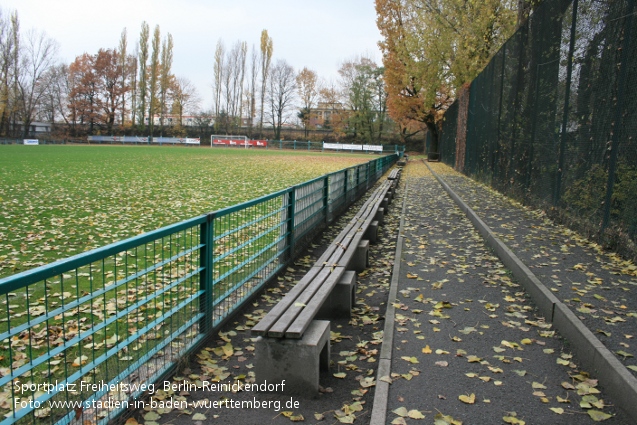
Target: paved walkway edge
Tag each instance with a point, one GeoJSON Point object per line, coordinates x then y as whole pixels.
{"type": "Point", "coordinates": [592, 353]}
{"type": "Point", "coordinates": [381, 393]}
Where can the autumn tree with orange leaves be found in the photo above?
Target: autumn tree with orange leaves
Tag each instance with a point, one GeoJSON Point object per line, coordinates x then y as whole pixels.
{"type": "Point", "coordinates": [430, 49]}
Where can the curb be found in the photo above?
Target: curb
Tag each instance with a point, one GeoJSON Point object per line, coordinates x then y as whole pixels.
{"type": "Point", "coordinates": [592, 353]}
{"type": "Point", "coordinates": [381, 393]}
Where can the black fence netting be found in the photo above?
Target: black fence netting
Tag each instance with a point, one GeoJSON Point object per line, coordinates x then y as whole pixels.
{"type": "Point", "coordinates": [552, 119]}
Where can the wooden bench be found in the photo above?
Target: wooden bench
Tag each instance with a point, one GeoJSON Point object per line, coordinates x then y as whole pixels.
{"type": "Point", "coordinates": [293, 339]}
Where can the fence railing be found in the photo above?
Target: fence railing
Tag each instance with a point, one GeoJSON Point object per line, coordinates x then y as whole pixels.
{"type": "Point", "coordinates": [82, 338]}
{"type": "Point", "coordinates": [552, 118]}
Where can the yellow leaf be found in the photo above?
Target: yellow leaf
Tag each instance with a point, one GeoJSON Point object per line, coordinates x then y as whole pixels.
{"type": "Point", "coordinates": [557, 410]}
{"type": "Point", "coordinates": [513, 420]}
{"type": "Point", "coordinates": [426, 350]}
{"type": "Point", "coordinates": [598, 416]}
{"type": "Point", "coordinates": [401, 411]}
{"type": "Point", "coordinates": [415, 414]}
{"type": "Point", "coordinates": [468, 399]}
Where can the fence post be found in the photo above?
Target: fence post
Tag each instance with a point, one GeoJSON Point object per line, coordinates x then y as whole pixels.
{"type": "Point", "coordinates": [205, 277]}
{"type": "Point", "coordinates": [290, 226]}
{"type": "Point", "coordinates": [569, 73]}
{"type": "Point", "coordinates": [621, 89]}
{"type": "Point", "coordinates": [326, 198]}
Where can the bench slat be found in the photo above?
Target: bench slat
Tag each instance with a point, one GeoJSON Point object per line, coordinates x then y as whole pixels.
{"type": "Point", "coordinates": [278, 330]}
{"type": "Point", "coordinates": [280, 308]}
{"type": "Point", "coordinates": [300, 324]}
{"type": "Point", "coordinates": [292, 315]}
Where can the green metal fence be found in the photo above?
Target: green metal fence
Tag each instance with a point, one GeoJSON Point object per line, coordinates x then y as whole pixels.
{"type": "Point", "coordinates": [552, 119]}
{"type": "Point", "coordinates": [83, 338]}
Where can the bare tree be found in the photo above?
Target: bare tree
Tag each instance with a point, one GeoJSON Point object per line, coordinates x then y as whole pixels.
{"type": "Point", "coordinates": [53, 104]}
{"type": "Point", "coordinates": [38, 56]}
{"type": "Point", "coordinates": [165, 77]}
{"type": "Point", "coordinates": [252, 90]}
{"type": "Point", "coordinates": [218, 76]}
{"type": "Point", "coordinates": [308, 88]}
{"type": "Point", "coordinates": [282, 87]}
{"type": "Point", "coordinates": [153, 79]}
{"type": "Point", "coordinates": [185, 98]}
{"type": "Point", "coordinates": [267, 49]}
{"type": "Point", "coordinates": [142, 92]}
{"type": "Point", "coordinates": [123, 66]}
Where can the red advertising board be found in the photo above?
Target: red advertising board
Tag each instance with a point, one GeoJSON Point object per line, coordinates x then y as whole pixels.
{"type": "Point", "coordinates": [234, 142]}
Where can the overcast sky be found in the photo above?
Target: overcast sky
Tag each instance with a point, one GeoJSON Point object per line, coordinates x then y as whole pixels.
{"type": "Point", "coordinates": [319, 35]}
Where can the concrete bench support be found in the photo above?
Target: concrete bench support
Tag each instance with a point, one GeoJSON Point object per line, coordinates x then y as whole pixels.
{"type": "Point", "coordinates": [360, 260]}
{"type": "Point", "coordinates": [295, 361]}
{"type": "Point", "coordinates": [341, 300]}
{"type": "Point", "coordinates": [380, 216]}
{"type": "Point", "coordinates": [372, 232]}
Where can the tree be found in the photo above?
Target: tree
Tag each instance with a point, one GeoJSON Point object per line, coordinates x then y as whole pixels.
{"type": "Point", "coordinates": [251, 99]}
{"type": "Point", "coordinates": [166, 76]}
{"type": "Point", "coordinates": [124, 69]}
{"type": "Point", "coordinates": [218, 76]}
{"type": "Point", "coordinates": [331, 96]}
{"type": "Point", "coordinates": [142, 60]}
{"type": "Point", "coordinates": [38, 57]}
{"type": "Point", "coordinates": [110, 90]}
{"type": "Point", "coordinates": [53, 106]}
{"type": "Point", "coordinates": [366, 98]}
{"type": "Point", "coordinates": [228, 87]}
{"type": "Point", "coordinates": [185, 97]}
{"type": "Point", "coordinates": [267, 49]}
{"type": "Point", "coordinates": [430, 48]}
{"type": "Point", "coordinates": [9, 47]}
{"type": "Point", "coordinates": [153, 79]}
{"type": "Point", "coordinates": [282, 85]}
{"type": "Point", "coordinates": [82, 99]}
{"type": "Point", "coordinates": [308, 90]}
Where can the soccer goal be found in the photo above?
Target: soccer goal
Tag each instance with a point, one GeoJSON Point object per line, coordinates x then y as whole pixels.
{"type": "Point", "coordinates": [228, 140]}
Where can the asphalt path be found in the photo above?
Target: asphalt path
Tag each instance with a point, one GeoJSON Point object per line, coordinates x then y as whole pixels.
{"type": "Point", "coordinates": [469, 344]}
{"type": "Point", "coordinates": [442, 332]}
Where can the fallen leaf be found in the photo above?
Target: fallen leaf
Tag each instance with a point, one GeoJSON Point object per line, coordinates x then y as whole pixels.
{"type": "Point", "coordinates": [598, 416]}
{"type": "Point", "coordinates": [401, 411]}
{"type": "Point", "coordinates": [468, 399]}
{"type": "Point", "coordinates": [415, 414]}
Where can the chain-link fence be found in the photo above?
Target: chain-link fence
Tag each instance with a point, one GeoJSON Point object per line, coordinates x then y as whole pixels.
{"type": "Point", "coordinates": [552, 119]}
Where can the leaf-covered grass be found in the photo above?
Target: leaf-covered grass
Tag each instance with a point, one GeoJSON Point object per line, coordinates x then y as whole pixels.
{"type": "Point", "coordinates": [58, 201]}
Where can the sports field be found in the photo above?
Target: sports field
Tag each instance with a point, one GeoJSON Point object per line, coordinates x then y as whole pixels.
{"type": "Point", "coordinates": [57, 201]}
